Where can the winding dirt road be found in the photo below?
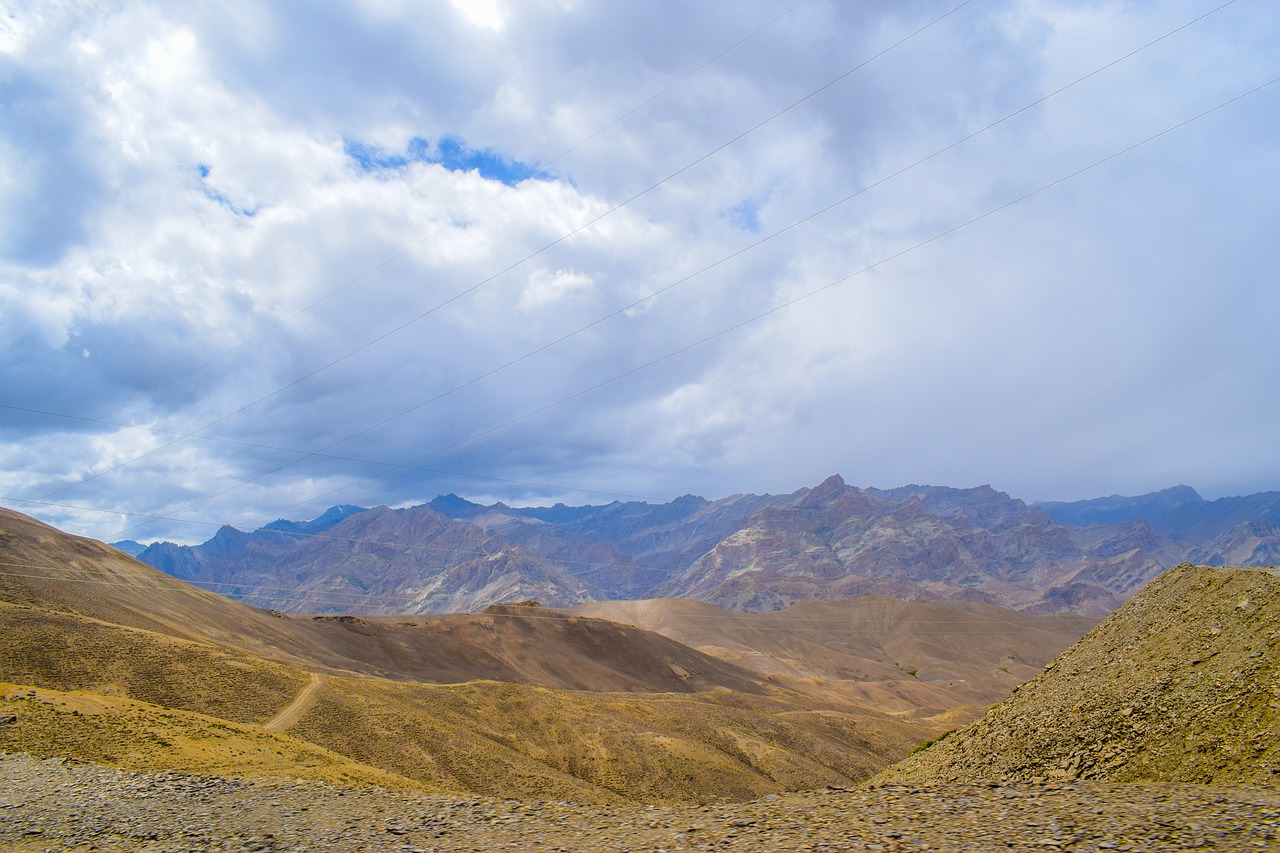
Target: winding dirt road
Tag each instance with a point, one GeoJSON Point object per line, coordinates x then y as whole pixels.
{"type": "Point", "coordinates": [301, 703]}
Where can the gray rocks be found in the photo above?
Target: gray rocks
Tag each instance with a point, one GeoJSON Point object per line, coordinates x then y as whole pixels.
{"type": "Point", "coordinates": [56, 806]}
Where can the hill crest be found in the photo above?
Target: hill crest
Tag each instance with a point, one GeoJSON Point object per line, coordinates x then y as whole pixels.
{"type": "Point", "coordinates": [1176, 686]}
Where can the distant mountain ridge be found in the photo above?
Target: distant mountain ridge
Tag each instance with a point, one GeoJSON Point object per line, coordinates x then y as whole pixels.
{"type": "Point", "coordinates": [1152, 508]}
{"type": "Point", "coordinates": [743, 552]}
{"type": "Point", "coordinates": [1178, 512]}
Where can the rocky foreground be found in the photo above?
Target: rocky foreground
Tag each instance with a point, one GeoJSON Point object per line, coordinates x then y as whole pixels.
{"type": "Point", "coordinates": [52, 805]}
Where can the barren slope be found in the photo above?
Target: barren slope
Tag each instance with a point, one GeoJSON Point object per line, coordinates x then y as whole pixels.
{"type": "Point", "coordinates": [133, 735]}
{"type": "Point", "coordinates": [1179, 685]}
{"type": "Point", "coordinates": [43, 567]}
{"type": "Point", "coordinates": [881, 652]}
{"type": "Point", "coordinates": [532, 743]}
{"type": "Point", "coordinates": [523, 643]}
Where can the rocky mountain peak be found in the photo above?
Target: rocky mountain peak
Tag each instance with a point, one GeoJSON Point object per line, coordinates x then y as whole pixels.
{"type": "Point", "coordinates": [828, 489]}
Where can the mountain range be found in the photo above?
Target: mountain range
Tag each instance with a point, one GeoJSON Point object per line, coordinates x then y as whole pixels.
{"type": "Point", "coordinates": [744, 552]}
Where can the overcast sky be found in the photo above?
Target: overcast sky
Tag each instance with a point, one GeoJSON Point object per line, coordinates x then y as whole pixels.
{"type": "Point", "coordinates": [254, 256]}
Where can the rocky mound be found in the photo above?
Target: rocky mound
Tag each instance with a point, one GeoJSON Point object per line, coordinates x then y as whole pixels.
{"type": "Point", "coordinates": [1179, 685]}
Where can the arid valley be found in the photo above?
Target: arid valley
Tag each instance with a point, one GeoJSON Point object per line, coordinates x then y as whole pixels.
{"type": "Point", "coordinates": [143, 713]}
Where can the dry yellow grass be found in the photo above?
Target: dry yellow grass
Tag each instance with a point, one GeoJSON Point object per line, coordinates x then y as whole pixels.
{"type": "Point", "coordinates": [485, 737]}
{"type": "Point", "coordinates": [66, 652]}
{"type": "Point", "coordinates": [530, 742]}
{"type": "Point", "coordinates": [139, 736]}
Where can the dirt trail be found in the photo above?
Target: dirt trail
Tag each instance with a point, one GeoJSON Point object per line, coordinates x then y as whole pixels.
{"type": "Point", "coordinates": [301, 703]}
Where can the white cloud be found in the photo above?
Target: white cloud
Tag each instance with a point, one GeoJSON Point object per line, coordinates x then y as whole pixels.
{"type": "Point", "coordinates": [545, 287]}
{"type": "Point", "coordinates": [177, 184]}
{"type": "Point", "coordinates": [488, 14]}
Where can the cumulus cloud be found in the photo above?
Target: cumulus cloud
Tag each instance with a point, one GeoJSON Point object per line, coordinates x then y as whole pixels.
{"type": "Point", "coordinates": [373, 252]}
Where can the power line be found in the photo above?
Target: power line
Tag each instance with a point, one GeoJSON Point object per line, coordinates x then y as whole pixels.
{"type": "Point", "coordinates": [524, 259]}
{"type": "Point", "coordinates": [653, 295]}
{"type": "Point", "coordinates": [456, 221]}
{"type": "Point", "coordinates": [320, 454]}
{"type": "Point", "coordinates": [617, 312]}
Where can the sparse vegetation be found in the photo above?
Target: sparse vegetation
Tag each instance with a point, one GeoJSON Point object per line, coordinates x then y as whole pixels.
{"type": "Point", "coordinates": [66, 652]}
{"type": "Point", "coordinates": [517, 740]}
{"type": "Point", "coordinates": [133, 735]}
{"type": "Point", "coordinates": [1176, 686]}
{"type": "Point", "coordinates": [922, 747]}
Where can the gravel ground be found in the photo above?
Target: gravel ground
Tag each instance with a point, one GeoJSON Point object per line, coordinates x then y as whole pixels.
{"type": "Point", "coordinates": [52, 805]}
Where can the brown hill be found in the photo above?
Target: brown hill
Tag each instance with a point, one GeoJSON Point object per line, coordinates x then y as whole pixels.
{"type": "Point", "coordinates": [1179, 685]}
{"type": "Point", "coordinates": [900, 656]}
{"type": "Point", "coordinates": [526, 644]}
{"type": "Point", "coordinates": [47, 569]}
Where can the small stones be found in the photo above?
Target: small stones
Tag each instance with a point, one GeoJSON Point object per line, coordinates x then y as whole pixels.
{"type": "Point", "coordinates": [75, 807]}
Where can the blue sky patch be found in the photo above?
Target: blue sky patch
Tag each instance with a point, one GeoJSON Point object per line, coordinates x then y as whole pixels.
{"type": "Point", "coordinates": [215, 195]}
{"type": "Point", "coordinates": [451, 152]}
{"type": "Point", "coordinates": [745, 215]}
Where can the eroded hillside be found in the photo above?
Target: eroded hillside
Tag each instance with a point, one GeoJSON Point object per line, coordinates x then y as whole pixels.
{"type": "Point", "coordinates": [1179, 685]}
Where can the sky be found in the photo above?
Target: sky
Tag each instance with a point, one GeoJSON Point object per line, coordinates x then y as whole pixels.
{"type": "Point", "coordinates": [260, 259]}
